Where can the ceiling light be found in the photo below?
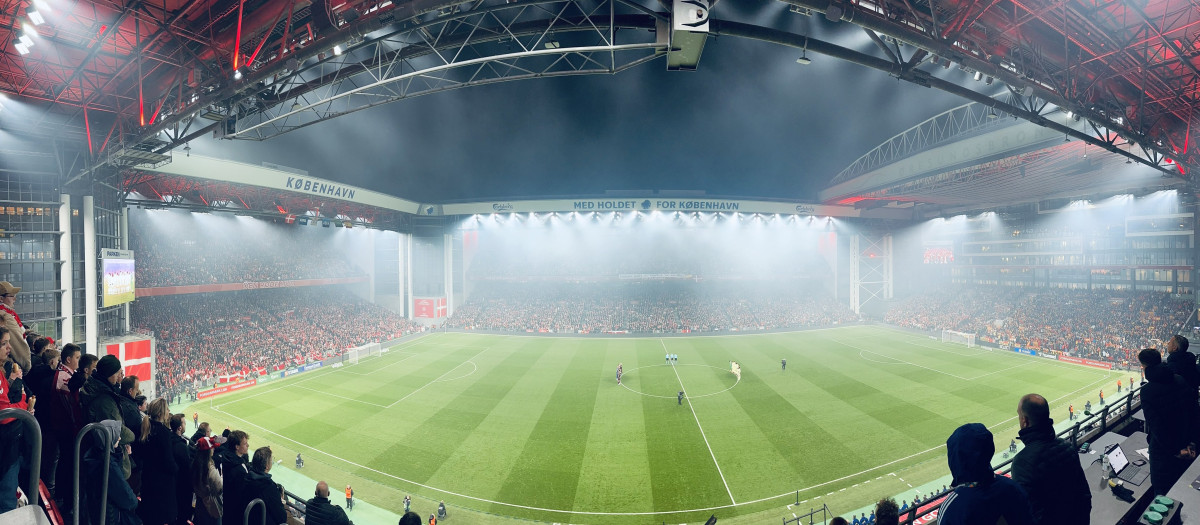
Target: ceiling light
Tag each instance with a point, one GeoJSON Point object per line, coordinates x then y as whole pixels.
{"type": "Point", "coordinates": [991, 113]}
{"type": "Point", "coordinates": [296, 106]}
{"type": "Point", "coordinates": [20, 46]}
{"type": "Point", "coordinates": [187, 149]}
{"type": "Point", "coordinates": [35, 16]}
{"type": "Point", "coordinates": [978, 76]}
{"type": "Point", "coordinates": [553, 44]}
{"type": "Point", "coordinates": [25, 40]}
{"type": "Point", "coordinates": [804, 60]}
{"type": "Point", "coordinates": [337, 50]}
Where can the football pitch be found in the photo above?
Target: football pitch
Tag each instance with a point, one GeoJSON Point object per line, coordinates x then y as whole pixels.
{"type": "Point", "coordinates": [538, 428]}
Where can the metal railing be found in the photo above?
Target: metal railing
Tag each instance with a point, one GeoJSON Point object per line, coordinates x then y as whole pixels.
{"type": "Point", "coordinates": [35, 444]}
{"type": "Point", "coordinates": [1085, 429]}
{"type": "Point", "coordinates": [256, 502]}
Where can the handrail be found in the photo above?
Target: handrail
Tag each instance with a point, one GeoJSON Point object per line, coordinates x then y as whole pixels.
{"type": "Point", "coordinates": [246, 514]}
{"type": "Point", "coordinates": [108, 445]}
{"type": "Point", "coordinates": [1071, 435]}
{"type": "Point", "coordinates": [35, 465]}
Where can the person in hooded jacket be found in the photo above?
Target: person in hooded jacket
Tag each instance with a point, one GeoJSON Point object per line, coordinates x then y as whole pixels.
{"type": "Point", "coordinates": [1048, 468]}
{"type": "Point", "coordinates": [160, 469]}
{"type": "Point", "coordinates": [980, 496]}
{"type": "Point", "coordinates": [100, 399]}
{"type": "Point", "coordinates": [121, 506]}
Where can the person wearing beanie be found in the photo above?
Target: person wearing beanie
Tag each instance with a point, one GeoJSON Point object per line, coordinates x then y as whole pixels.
{"type": "Point", "coordinates": [100, 399]}
{"type": "Point", "coordinates": [980, 495]}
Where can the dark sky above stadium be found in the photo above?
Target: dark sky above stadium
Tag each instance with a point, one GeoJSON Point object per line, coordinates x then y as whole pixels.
{"type": "Point", "coordinates": [751, 122]}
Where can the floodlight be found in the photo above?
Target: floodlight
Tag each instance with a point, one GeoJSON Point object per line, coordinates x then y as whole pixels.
{"type": "Point", "coordinates": [20, 46]}
{"type": "Point", "coordinates": [237, 74]}
{"type": "Point", "coordinates": [35, 16]}
{"type": "Point", "coordinates": [553, 44]}
{"type": "Point", "coordinates": [337, 50]}
{"type": "Point", "coordinates": [978, 76]}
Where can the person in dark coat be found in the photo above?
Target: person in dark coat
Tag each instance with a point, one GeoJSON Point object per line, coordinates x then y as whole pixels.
{"type": "Point", "coordinates": [182, 452]}
{"type": "Point", "coordinates": [159, 470]}
{"type": "Point", "coordinates": [319, 511]}
{"type": "Point", "coordinates": [1182, 362]}
{"type": "Point", "coordinates": [259, 485]}
{"type": "Point", "coordinates": [1165, 402]}
{"type": "Point", "coordinates": [231, 462]}
{"type": "Point", "coordinates": [100, 398]}
{"type": "Point", "coordinates": [980, 496]}
{"type": "Point", "coordinates": [120, 508]}
{"type": "Point", "coordinates": [1048, 468]}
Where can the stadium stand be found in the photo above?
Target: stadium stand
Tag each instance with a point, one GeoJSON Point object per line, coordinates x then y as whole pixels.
{"type": "Point", "coordinates": [650, 307]}
{"type": "Point", "coordinates": [202, 337]}
{"type": "Point", "coordinates": [1103, 325]}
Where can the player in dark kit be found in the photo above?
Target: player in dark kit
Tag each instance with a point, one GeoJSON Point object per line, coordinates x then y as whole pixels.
{"type": "Point", "coordinates": [681, 397]}
{"type": "Point", "coordinates": [619, 371]}
{"type": "Point", "coordinates": [783, 363]}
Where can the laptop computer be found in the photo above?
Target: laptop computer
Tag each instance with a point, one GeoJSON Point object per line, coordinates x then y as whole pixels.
{"type": "Point", "coordinates": [1125, 470]}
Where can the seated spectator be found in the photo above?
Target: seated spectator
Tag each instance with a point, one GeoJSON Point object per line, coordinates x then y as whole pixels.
{"type": "Point", "coordinates": [886, 512]}
{"type": "Point", "coordinates": [410, 518]}
{"type": "Point", "coordinates": [980, 497]}
{"type": "Point", "coordinates": [835, 521]}
{"type": "Point", "coordinates": [319, 511]}
{"type": "Point", "coordinates": [259, 485]}
{"type": "Point", "coordinates": [1048, 468]}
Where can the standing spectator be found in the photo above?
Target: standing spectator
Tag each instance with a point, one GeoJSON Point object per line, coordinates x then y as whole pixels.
{"type": "Point", "coordinates": [121, 506]}
{"type": "Point", "coordinates": [159, 468]}
{"type": "Point", "coordinates": [11, 321]}
{"type": "Point", "coordinates": [1048, 468]}
{"type": "Point", "coordinates": [319, 511]}
{"type": "Point", "coordinates": [1182, 362]}
{"type": "Point", "coordinates": [129, 401]}
{"type": "Point", "coordinates": [181, 451]}
{"type": "Point", "coordinates": [980, 495]}
{"type": "Point", "coordinates": [206, 481]}
{"type": "Point", "coordinates": [1165, 403]}
{"type": "Point", "coordinates": [231, 462]}
{"type": "Point", "coordinates": [100, 397]}
{"type": "Point", "coordinates": [10, 436]}
{"type": "Point", "coordinates": [66, 417]}
{"type": "Point", "coordinates": [40, 382]}
{"type": "Point", "coordinates": [259, 485]}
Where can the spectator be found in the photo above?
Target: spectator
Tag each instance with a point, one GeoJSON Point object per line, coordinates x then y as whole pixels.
{"type": "Point", "coordinates": [886, 512]}
{"type": "Point", "coordinates": [100, 398]}
{"type": "Point", "coordinates": [66, 419]}
{"type": "Point", "coordinates": [234, 467]}
{"type": "Point", "coordinates": [259, 485]}
{"type": "Point", "coordinates": [9, 319]}
{"type": "Point", "coordinates": [319, 511]}
{"type": "Point", "coordinates": [181, 451]}
{"type": "Point", "coordinates": [1182, 362]}
{"type": "Point", "coordinates": [980, 497]}
{"type": "Point", "coordinates": [1048, 468]}
{"type": "Point", "coordinates": [835, 521]}
{"type": "Point", "coordinates": [206, 481]}
{"type": "Point", "coordinates": [201, 431]}
{"type": "Point", "coordinates": [159, 468]}
{"type": "Point", "coordinates": [130, 401]}
{"type": "Point", "coordinates": [410, 518]}
{"type": "Point", "coordinates": [10, 435]}
{"type": "Point", "coordinates": [121, 506]}
{"type": "Point", "coordinates": [1165, 399]}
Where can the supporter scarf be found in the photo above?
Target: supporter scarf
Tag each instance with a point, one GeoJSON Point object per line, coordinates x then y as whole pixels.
{"type": "Point", "coordinates": [13, 313]}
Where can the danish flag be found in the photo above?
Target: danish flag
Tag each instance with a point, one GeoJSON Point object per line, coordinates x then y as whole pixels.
{"type": "Point", "coordinates": [135, 356]}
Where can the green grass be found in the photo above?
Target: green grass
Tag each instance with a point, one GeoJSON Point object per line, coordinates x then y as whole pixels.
{"type": "Point", "coordinates": [537, 428]}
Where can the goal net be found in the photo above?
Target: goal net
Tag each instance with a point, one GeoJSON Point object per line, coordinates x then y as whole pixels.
{"type": "Point", "coordinates": [962, 338]}
{"type": "Point", "coordinates": [357, 353]}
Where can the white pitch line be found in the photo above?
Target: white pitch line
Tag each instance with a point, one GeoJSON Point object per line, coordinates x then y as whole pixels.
{"type": "Point", "coordinates": [342, 397]}
{"type": "Point", "coordinates": [1003, 369]}
{"type": "Point", "coordinates": [899, 361]}
{"type": "Point", "coordinates": [410, 394]}
{"type": "Point", "coordinates": [693, 409]}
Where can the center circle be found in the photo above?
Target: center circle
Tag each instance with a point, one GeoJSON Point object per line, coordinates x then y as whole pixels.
{"type": "Point", "coordinates": [662, 378]}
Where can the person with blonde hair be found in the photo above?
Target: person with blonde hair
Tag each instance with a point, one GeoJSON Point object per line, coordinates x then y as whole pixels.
{"type": "Point", "coordinates": [160, 468]}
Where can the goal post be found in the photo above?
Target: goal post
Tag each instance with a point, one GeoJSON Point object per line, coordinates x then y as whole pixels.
{"type": "Point", "coordinates": [354, 355]}
{"type": "Point", "coordinates": [962, 338]}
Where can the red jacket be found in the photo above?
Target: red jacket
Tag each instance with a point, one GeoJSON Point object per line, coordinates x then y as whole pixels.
{"type": "Point", "coordinates": [4, 402]}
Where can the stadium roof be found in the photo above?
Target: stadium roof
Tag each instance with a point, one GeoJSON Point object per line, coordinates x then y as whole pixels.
{"type": "Point", "coordinates": [133, 81]}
